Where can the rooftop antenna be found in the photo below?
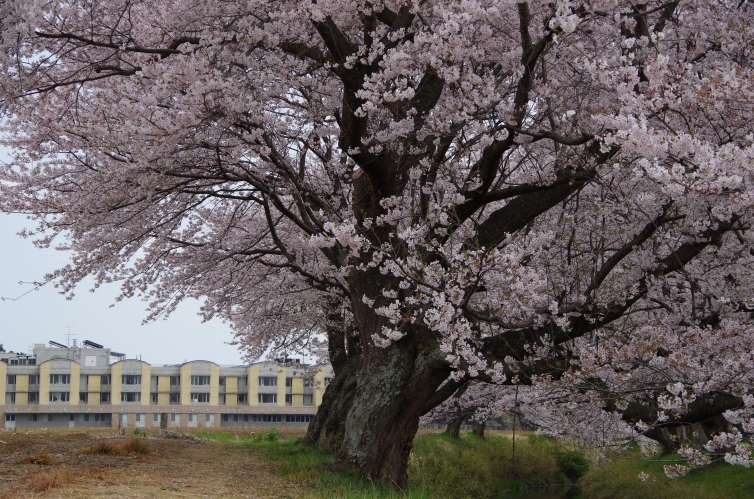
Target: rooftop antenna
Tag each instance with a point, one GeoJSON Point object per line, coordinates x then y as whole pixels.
{"type": "Point", "coordinates": [69, 334]}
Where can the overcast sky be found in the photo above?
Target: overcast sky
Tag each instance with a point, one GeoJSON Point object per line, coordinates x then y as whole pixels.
{"type": "Point", "coordinates": [45, 315]}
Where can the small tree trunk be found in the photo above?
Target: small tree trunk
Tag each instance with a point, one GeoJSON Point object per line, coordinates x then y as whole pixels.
{"type": "Point", "coordinates": [478, 429]}
{"type": "Point", "coordinates": [454, 427]}
{"type": "Point", "coordinates": [163, 421]}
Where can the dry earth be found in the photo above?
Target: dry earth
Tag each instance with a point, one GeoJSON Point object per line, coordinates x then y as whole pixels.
{"type": "Point", "coordinates": [54, 463]}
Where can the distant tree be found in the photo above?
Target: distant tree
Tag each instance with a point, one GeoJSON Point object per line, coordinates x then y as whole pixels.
{"type": "Point", "coordinates": [556, 194]}
{"type": "Point", "coordinates": [1, 348]}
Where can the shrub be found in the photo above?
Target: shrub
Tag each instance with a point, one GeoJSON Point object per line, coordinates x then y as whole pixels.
{"type": "Point", "coordinates": [573, 464]}
{"type": "Point", "coordinates": [41, 459]}
{"type": "Point", "coordinates": [272, 435]}
{"type": "Point", "coordinates": [47, 480]}
{"type": "Point", "coordinates": [102, 447]}
{"type": "Point", "coordinates": [135, 446]}
{"type": "Point", "coordinates": [110, 447]}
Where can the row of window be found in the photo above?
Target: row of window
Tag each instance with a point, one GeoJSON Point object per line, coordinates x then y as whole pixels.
{"type": "Point", "coordinates": [192, 418]}
{"type": "Point", "coordinates": [135, 379]}
{"type": "Point", "coordinates": [20, 361]}
{"type": "Point", "coordinates": [196, 398]}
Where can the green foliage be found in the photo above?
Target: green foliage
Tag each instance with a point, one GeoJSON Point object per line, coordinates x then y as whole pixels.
{"type": "Point", "coordinates": [272, 435]}
{"type": "Point", "coordinates": [619, 479]}
{"type": "Point", "coordinates": [573, 464]}
{"type": "Point", "coordinates": [439, 467]}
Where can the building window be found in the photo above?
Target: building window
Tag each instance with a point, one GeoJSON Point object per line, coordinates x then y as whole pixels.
{"type": "Point", "coordinates": [298, 418]}
{"type": "Point", "coordinates": [33, 397]}
{"type": "Point", "coordinates": [153, 380]}
{"type": "Point", "coordinates": [268, 381]}
{"type": "Point", "coordinates": [175, 381]}
{"type": "Point", "coordinates": [131, 379]}
{"type": "Point", "coordinates": [105, 379]}
{"type": "Point", "coordinates": [83, 397]}
{"type": "Point", "coordinates": [34, 379]}
{"type": "Point", "coordinates": [268, 398]}
{"type": "Point", "coordinates": [289, 382]}
{"type": "Point", "coordinates": [221, 399]}
{"type": "Point", "coordinates": [225, 418]}
{"type": "Point", "coordinates": [104, 398]}
{"type": "Point", "coordinates": [175, 398]}
{"type": "Point", "coordinates": [242, 398]}
{"type": "Point", "coordinates": [140, 418]}
{"type": "Point", "coordinates": [192, 418]}
{"type": "Point", "coordinates": [32, 417]}
{"type": "Point", "coordinates": [155, 417]}
{"type": "Point", "coordinates": [70, 418]}
{"type": "Point", "coordinates": [11, 379]}
{"type": "Point", "coordinates": [200, 398]}
{"type": "Point", "coordinates": [243, 381]}
{"type": "Point", "coordinates": [153, 398]}
{"type": "Point", "coordinates": [327, 381]}
{"type": "Point", "coordinates": [60, 396]}
{"type": "Point", "coordinates": [60, 379]}
{"type": "Point", "coordinates": [174, 418]}
{"type": "Point", "coordinates": [222, 380]}
{"type": "Point", "coordinates": [130, 397]}
{"type": "Point", "coordinates": [208, 418]}
{"type": "Point", "coordinates": [288, 399]}
{"type": "Point", "coordinates": [10, 417]}
{"type": "Point", "coordinates": [235, 418]}
{"type": "Point", "coordinates": [200, 380]}
{"type": "Point", "coordinates": [309, 399]}
{"type": "Point", "coordinates": [10, 398]}
{"type": "Point", "coordinates": [268, 418]}
{"type": "Point", "coordinates": [308, 382]}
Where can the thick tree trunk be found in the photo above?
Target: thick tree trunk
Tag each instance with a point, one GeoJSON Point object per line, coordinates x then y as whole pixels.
{"type": "Point", "coordinates": [327, 429]}
{"type": "Point", "coordinates": [454, 427]}
{"type": "Point", "coordinates": [393, 388]}
{"type": "Point", "coordinates": [478, 429]}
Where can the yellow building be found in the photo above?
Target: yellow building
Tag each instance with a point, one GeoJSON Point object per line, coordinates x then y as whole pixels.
{"type": "Point", "coordinates": [80, 386]}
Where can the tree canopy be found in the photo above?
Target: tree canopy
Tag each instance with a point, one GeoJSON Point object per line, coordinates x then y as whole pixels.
{"type": "Point", "coordinates": [556, 194]}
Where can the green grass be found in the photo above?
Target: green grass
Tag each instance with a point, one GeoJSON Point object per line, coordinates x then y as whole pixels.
{"type": "Point", "coordinates": [618, 479]}
{"type": "Point", "coordinates": [471, 467]}
{"type": "Point", "coordinates": [439, 467]}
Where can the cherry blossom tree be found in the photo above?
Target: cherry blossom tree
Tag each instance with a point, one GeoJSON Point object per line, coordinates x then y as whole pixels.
{"type": "Point", "coordinates": [549, 194]}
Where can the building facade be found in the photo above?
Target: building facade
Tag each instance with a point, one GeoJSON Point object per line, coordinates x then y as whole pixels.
{"type": "Point", "coordinates": [91, 386]}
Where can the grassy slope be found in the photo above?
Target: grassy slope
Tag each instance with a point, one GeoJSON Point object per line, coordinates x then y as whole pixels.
{"type": "Point", "coordinates": [439, 467]}
{"type": "Point", "coordinates": [618, 479]}
{"type": "Point", "coordinates": [471, 467]}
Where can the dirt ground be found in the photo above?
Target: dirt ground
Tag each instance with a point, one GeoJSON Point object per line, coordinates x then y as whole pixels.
{"type": "Point", "coordinates": [58, 463]}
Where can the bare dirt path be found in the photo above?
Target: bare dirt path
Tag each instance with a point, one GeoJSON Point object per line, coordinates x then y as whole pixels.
{"type": "Point", "coordinates": [56, 463]}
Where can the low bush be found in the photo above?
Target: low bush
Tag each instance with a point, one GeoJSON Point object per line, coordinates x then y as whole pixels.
{"type": "Point", "coordinates": [135, 446]}
{"type": "Point", "coordinates": [112, 447]}
{"type": "Point", "coordinates": [272, 435]}
{"type": "Point", "coordinates": [41, 459]}
{"type": "Point", "coordinates": [102, 447]}
{"type": "Point", "coordinates": [573, 464]}
{"type": "Point", "coordinates": [48, 480]}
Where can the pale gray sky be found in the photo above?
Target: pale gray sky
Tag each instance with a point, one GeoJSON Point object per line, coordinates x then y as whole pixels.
{"type": "Point", "coordinates": [44, 314]}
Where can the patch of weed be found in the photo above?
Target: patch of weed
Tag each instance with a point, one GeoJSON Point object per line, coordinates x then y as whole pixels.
{"type": "Point", "coordinates": [135, 446]}
{"type": "Point", "coordinates": [111, 447]}
{"type": "Point", "coordinates": [42, 459]}
{"type": "Point", "coordinates": [48, 480]}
